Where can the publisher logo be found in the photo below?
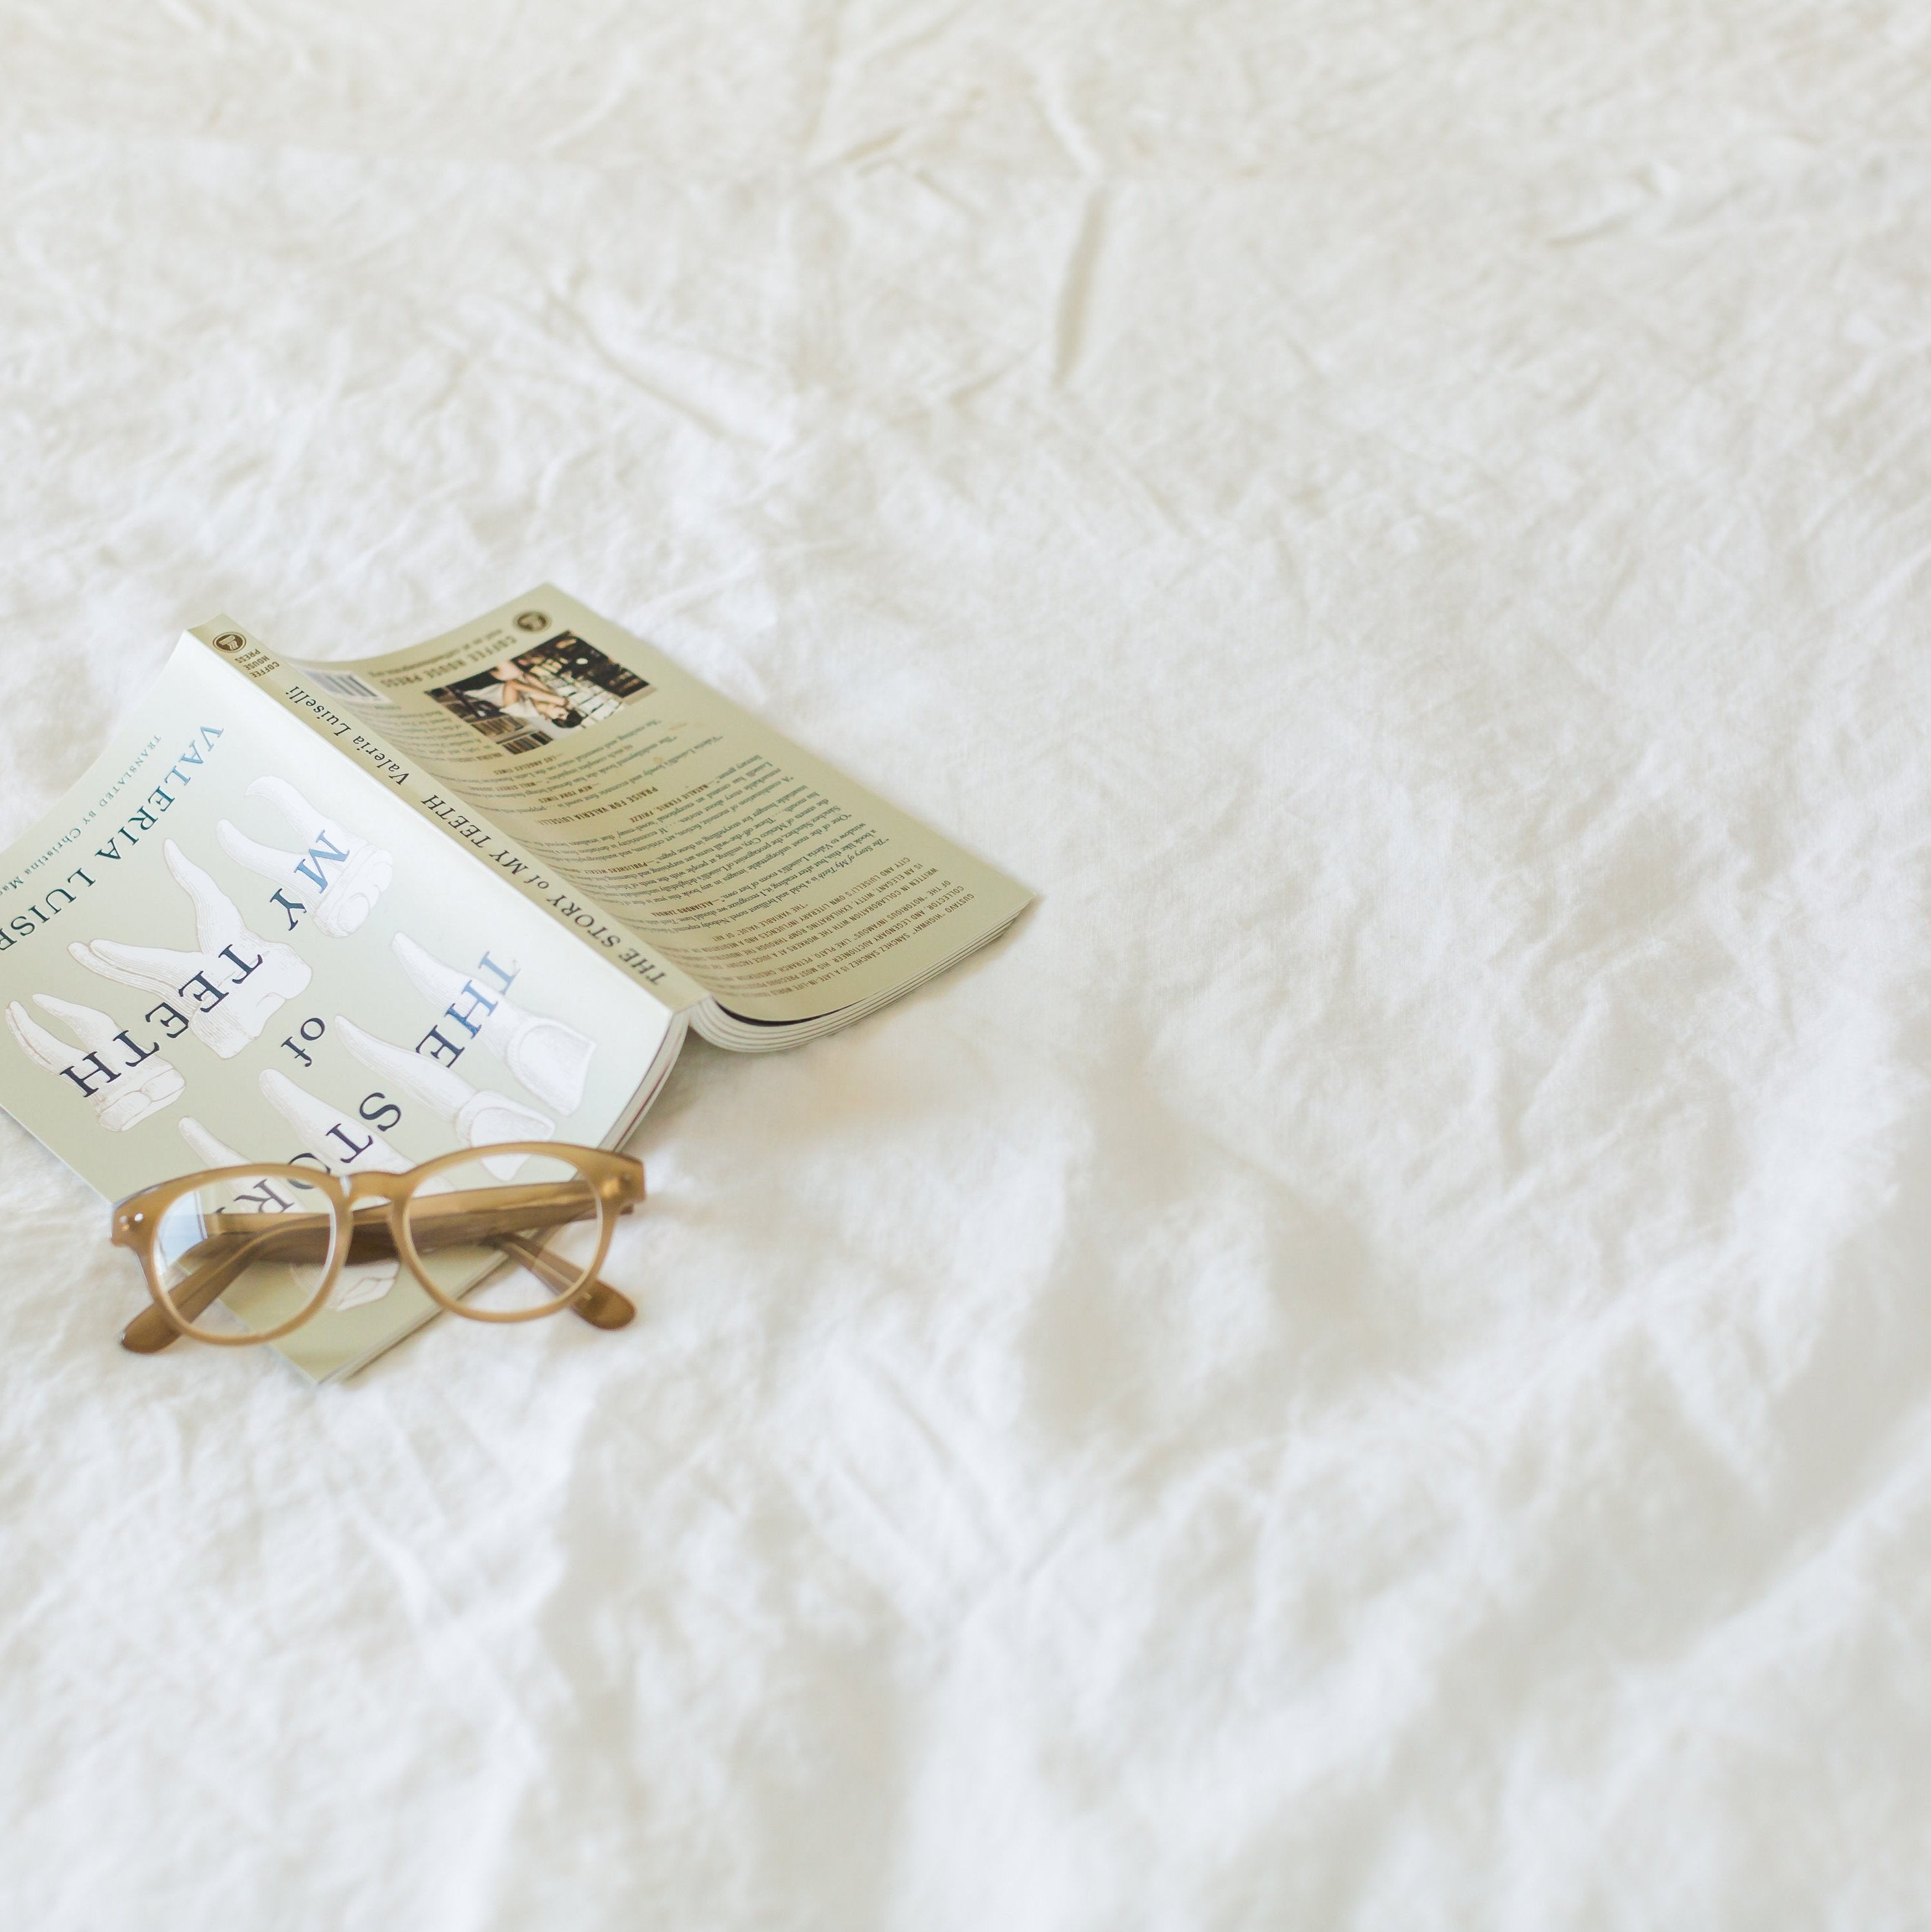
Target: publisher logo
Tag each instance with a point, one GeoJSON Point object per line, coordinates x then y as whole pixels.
{"type": "Point", "coordinates": [229, 640]}
{"type": "Point", "coordinates": [531, 620]}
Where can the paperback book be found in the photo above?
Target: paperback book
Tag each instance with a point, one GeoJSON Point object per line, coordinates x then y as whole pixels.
{"type": "Point", "coordinates": [356, 914]}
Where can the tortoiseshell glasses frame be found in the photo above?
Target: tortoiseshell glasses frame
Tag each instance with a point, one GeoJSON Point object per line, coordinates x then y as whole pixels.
{"type": "Point", "coordinates": [424, 1213]}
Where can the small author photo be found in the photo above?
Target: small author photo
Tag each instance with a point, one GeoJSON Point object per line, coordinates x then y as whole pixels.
{"type": "Point", "coordinates": [560, 685]}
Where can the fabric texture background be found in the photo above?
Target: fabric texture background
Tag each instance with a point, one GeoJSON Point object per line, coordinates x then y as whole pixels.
{"type": "Point", "coordinates": [1371, 1367]}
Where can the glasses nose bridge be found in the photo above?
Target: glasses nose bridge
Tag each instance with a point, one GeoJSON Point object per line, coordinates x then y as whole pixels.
{"type": "Point", "coordinates": [378, 1186]}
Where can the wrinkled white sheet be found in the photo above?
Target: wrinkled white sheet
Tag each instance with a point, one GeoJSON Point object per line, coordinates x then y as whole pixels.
{"type": "Point", "coordinates": [1372, 1366]}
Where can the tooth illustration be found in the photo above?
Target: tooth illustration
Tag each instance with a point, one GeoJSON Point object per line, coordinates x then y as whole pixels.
{"type": "Point", "coordinates": [337, 1140]}
{"type": "Point", "coordinates": [124, 1085]}
{"type": "Point", "coordinates": [551, 1059]}
{"type": "Point", "coordinates": [338, 876]}
{"type": "Point", "coordinates": [206, 1148]}
{"type": "Point", "coordinates": [358, 1282]}
{"type": "Point", "coordinates": [226, 991]}
{"type": "Point", "coordinates": [479, 1118]}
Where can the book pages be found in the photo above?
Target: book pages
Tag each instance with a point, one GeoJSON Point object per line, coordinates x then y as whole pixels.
{"type": "Point", "coordinates": [779, 886]}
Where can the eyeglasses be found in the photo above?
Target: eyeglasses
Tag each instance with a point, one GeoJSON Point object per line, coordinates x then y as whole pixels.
{"type": "Point", "coordinates": [271, 1246]}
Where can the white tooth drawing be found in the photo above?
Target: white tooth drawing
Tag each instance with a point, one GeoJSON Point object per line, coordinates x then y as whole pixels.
{"type": "Point", "coordinates": [479, 1117]}
{"type": "Point", "coordinates": [358, 1283]}
{"type": "Point", "coordinates": [340, 1141]}
{"type": "Point", "coordinates": [551, 1060]}
{"type": "Point", "coordinates": [226, 991]}
{"type": "Point", "coordinates": [337, 875]}
{"type": "Point", "coordinates": [124, 1085]}
{"type": "Point", "coordinates": [206, 1148]}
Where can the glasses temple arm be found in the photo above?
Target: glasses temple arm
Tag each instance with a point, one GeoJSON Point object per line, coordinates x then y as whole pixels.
{"type": "Point", "coordinates": [599, 1304]}
{"type": "Point", "coordinates": [151, 1331]}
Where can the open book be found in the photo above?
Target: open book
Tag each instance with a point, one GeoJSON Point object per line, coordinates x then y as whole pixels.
{"type": "Point", "coordinates": [358, 914]}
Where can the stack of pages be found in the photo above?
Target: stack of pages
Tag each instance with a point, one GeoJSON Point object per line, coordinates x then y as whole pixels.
{"type": "Point", "coordinates": [355, 915]}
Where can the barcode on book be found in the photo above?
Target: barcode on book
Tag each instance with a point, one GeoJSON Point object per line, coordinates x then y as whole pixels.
{"type": "Point", "coordinates": [346, 684]}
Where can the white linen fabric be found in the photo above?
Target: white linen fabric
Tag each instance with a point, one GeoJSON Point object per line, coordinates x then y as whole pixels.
{"type": "Point", "coordinates": [1371, 1365]}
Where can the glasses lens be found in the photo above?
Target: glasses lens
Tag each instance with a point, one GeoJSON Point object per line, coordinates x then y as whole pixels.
{"type": "Point", "coordinates": [542, 1212]}
{"type": "Point", "coordinates": [243, 1257]}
